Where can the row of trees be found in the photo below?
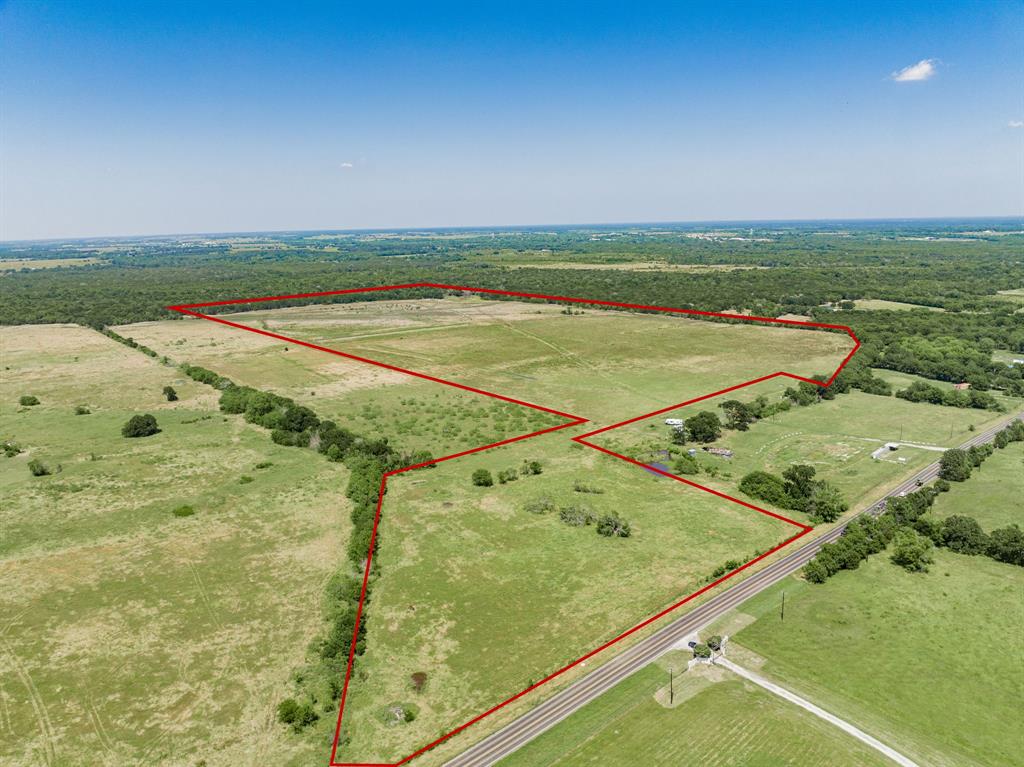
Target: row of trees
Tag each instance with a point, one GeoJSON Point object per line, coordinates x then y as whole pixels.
{"type": "Point", "coordinates": [964, 535]}
{"type": "Point", "coordinates": [957, 464]}
{"type": "Point", "coordinates": [919, 391]}
{"type": "Point", "coordinates": [913, 534]}
{"type": "Point", "coordinates": [368, 460]}
{"type": "Point", "coordinates": [797, 489]}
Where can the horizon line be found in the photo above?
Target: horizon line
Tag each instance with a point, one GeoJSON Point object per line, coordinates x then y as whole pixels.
{"type": "Point", "coordinates": [515, 227]}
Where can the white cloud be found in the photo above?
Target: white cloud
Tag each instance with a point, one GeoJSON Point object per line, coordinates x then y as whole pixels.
{"type": "Point", "coordinates": [1016, 124]}
{"type": "Point", "coordinates": [345, 165]}
{"type": "Point", "coordinates": [922, 70]}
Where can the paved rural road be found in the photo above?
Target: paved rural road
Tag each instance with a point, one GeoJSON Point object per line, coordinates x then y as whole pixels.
{"type": "Point", "coordinates": [514, 735]}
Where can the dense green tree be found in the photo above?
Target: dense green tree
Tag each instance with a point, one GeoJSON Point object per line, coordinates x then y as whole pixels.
{"type": "Point", "coordinates": [963, 535]}
{"type": "Point", "coordinates": [704, 427]}
{"type": "Point", "coordinates": [815, 571]}
{"type": "Point", "coordinates": [912, 551]}
{"type": "Point", "coordinates": [1007, 545]}
{"type": "Point", "coordinates": [826, 503]}
{"type": "Point", "coordinates": [765, 487]}
{"type": "Point", "coordinates": [28, 400]}
{"type": "Point", "coordinates": [482, 478]}
{"type": "Point", "coordinates": [38, 468]}
{"type": "Point", "coordinates": [954, 466]}
{"type": "Point", "coordinates": [738, 415]}
{"type": "Point", "coordinates": [170, 394]}
{"type": "Point", "coordinates": [140, 426]}
{"type": "Point", "coordinates": [799, 482]}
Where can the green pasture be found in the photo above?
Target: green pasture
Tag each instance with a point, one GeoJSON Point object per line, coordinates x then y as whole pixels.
{"type": "Point", "coordinates": [929, 663]}
{"type": "Point", "coordinates": [486, 597]}
{"type": "Point", "coordinates": [729, 723]}
{"type": "Point", "coordinates": [994, 495]}
{"type": "Point", "coordinates": [129, 635]}
{"type": "Point", "coordinates": [837, 437]}
{"type": "Point", "coordinates": [602, 365]}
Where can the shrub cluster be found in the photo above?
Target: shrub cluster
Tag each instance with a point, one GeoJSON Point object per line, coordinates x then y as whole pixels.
{"type": "Point", "coordinates": [610, 525]}
{"type": "Point", "coordinates": [483, 478]}
{"type": "Point", "coordinates": [582, 487]}
{"type": "Point", "coordinates": [919, 391]}
{"type": "Point", "coordinates": [863, 537]}
{"type": "Point", "coordinates": [797, 489]}
{"type": "Point", "coordinates": [808, 394]}
{"type": "Point", "coordinates": [964, 535]}
{"type": "Point", "coordinates": [140, 426]}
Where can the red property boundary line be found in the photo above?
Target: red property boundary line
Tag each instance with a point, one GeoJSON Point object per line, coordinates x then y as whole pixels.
{"type": "Point", "coordinates": [572, 420]}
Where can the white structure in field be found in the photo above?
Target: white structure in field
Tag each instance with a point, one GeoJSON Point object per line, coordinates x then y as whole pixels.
{"type": "Point", "coordinates": [677, 422]}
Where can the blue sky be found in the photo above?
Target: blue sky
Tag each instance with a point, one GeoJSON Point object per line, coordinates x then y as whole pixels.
{"type": "Point", "coordinates": [141, 118]}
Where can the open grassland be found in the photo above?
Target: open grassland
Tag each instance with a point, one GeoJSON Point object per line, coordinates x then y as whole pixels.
{"type": "Point", "coordinates": [486, 597]}
{"type": "Point", "coordinates": [930, 663]}
{"type": "Point", "coordinates": [836, 437]}
{"type": "Point", "coordinates": [895, 306]}
{"type": "Point", "coordinates": [1014, 296]}
{"type": "Point", "coordinates": [128, 635]}
{"type": "Point", "coordinates": [603, 365]}
{"type": "Point", "coordinates": [19, 264]}
{"type": "Point", "coordinates": [726, 722]}
{"type": "Point", "coordinates": [994, 495]}
{"type": "Point", "coordinates": [477, 593]}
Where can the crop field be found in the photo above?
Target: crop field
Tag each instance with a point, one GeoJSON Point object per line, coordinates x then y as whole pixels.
{"type": "Point", "coordinates": [723, 722]}
{"type": "Point", "coordinates": [929, 663]}
{"type": "Point", "coordinates": [994, 495]}
{"type": "Point", "coordinates": [836, 437]}
{"type": "Point", "coordinates": [130, 635]}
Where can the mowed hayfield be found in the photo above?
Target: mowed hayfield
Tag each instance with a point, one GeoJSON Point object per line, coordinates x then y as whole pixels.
{"type": "Point", "coordinates": [131, 636]}
{"type": "Point", "coordinates": [722, 720]}
{"type": "Point", "coordinates": [994, 495]}
{"type": "Point", "coordinates": [485, 597]}
{"type": "Point", "coordinates": [837, 437]}
{"type": "Point", "coordinates": [602, 365]}
{"type": "Point", "coordinates": [929, 663]}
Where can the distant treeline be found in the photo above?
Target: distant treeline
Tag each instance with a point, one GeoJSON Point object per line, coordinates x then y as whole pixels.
{"type": "Point", "coordinates": [809, 272]}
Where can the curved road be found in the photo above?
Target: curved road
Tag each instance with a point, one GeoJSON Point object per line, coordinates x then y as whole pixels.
{"type": "Point", "coordinates": [549, 713]}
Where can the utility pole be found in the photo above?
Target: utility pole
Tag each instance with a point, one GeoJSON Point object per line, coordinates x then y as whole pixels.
{"type": "Point", "coordinates": [782, 614]}
{"type": "Point", "coordinates": [671, 688]}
